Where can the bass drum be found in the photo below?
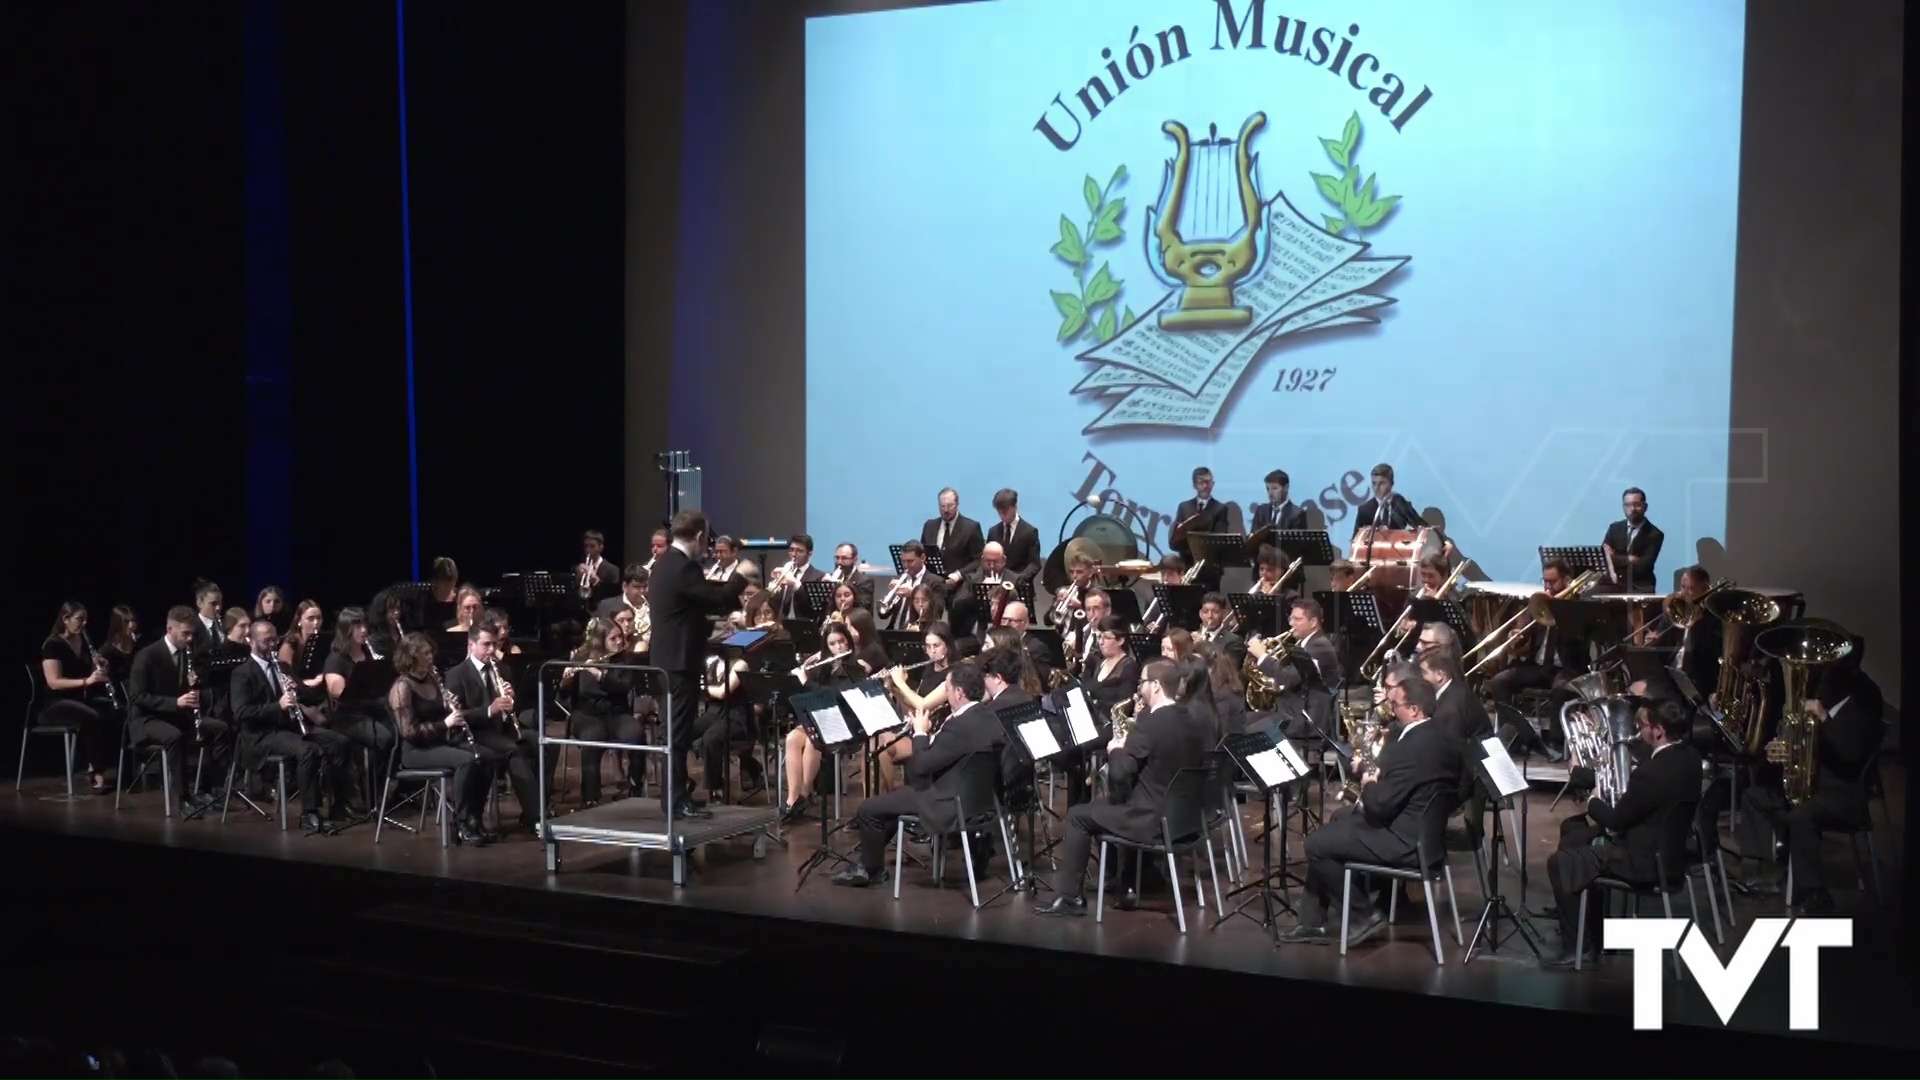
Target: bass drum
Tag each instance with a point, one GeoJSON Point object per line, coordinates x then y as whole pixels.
{"type": "Point", "coordinates": [1103, 536]}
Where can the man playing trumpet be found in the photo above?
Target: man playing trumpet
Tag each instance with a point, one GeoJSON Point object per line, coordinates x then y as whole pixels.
{"type": "Point", "coordinates": [1069, 604]}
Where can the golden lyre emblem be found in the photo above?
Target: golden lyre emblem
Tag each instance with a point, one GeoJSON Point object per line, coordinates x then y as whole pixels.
{"type": "Point", "coordinates": [1223, 212]}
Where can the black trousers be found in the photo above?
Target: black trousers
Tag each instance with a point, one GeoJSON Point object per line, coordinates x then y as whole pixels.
{"type": "Point", "coordinates": [178, 738]}
{"type": "Point", "coordinates": [320, 763]}
{"type": "Point", "coordinates": [723, 725]}
{"type": "Point", "coordinates": [473, 772]}
{"type": "Point", "coordinates": [516, 756]}
{"type": "Point", "coordinates": [1573, 869]}
{"type": "Point", "coordinates": [877, 820]}
{"type": "Point", "coordinates": [1347, 839]}
{"type": "Point", "coordinates": [376, 733]}
{"type": "Point", "coordinates": [601, 727]}
{"type": "Point", "coordinates": [94, 718]}
{"type": "Point", "coordinates": [1086, 823]}
{"type": "Point", "coordinates": [1764, 814]}
{"type": "Point", "coordinates": [684, 688]}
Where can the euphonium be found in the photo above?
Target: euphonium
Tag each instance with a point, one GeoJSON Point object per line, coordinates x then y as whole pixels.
{"type": "Point", "coordinates": [1799, 649]}
{"type": "Point", "coordinates": [1597, 733]}
{"type": "Point", "coordinates": [1742, 698]}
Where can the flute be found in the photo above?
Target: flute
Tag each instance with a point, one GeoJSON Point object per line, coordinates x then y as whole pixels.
{"type": "Point", "coordinates": [804, 668]}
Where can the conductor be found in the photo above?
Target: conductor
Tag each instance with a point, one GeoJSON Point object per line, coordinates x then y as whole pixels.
{"type": "Point", "coordinates": [681, 600]}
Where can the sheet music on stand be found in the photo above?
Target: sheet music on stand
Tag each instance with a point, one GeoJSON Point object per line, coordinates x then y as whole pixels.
{"type": "Point", "coordinates": [816, 597]}
{"type": "Point", "coordinates": [819, 713]}
{"type": "Point", "coordinates": [1505, 776]}
{"type": "Point", "coordinates": [1259, 613]}
{"type": "Point", "coordinates": [871, 707]}
{"type": "Point", "coordinates": [1027, 724]}
{"type": "Point", "coordinates": [1081, 727]}
{"type": "Point", "coordinates": [1581, 557]}
{"type": "Point", "coordinates": [1223, 550]}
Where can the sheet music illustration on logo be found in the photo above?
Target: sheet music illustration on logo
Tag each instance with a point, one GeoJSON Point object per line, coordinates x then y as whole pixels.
{"type": "Point", "coordinates": [1243, 271]}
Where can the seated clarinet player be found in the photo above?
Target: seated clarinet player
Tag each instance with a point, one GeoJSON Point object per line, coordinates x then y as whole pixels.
{"type": "Point", "coordinates": [933, 774]}
{"type": "Point", "coordinates": [1140, 769]}
{"type": "Point", "coordinates": [1422, 763]}
{"type": "Point", "coordinates": [433, 735]}
{"type": "Point", "coordinates": [1849, 712]}
{"type": "Point", "coordinates": [165, 695]}
{"type": "Point", "coordinates": [78, 693]}
{"type": "Point", "coordinates": [487, 705]}
{"type": "Point", "coordinates": [265, 701]}
{"type": "Point", "coordinates": [1624, 836]}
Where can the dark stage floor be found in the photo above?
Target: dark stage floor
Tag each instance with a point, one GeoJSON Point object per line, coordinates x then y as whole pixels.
{"type": "Point", "coordinates": [1867, 998]}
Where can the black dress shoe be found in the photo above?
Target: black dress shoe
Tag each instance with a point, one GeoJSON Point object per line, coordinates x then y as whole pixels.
{"type": "Point", "coordinates": [1063, 905]}
{"type": "Point", "coordinates": [310, 822]}
{"type": "Point", "coordinates": [691, 811]}
{"type": "Point", "coordinates": [474, 837]}
{"type": "Point", "coordinates": [1129, 901]}
{"type": "Point", "coordinates": [1307, 935]}
{"type": "Point", "coordinates": [1373, 920]}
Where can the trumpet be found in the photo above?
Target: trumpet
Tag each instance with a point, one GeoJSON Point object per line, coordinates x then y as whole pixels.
{"type": "Point", "coordinates": [589, 572]}
{"type": "Point", "coordinates": [1066, 606]}
{"type": "Point", "coordinates": [1538, 614]}
{"type": "Point", "coordinates": [784, 577]}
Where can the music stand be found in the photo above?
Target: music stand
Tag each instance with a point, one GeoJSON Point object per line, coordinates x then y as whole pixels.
{"type": "Point", "coordinates": [1312, 545]}
{"type": "Point", "coordinates": [832, 729]}
{"type": "Point", "coordinates": [932, 557]}
{"type": "Point", "coordinates": [1273, 771]}
{"type": "Point", "coordinates": [1502, 780]}
{"type": "Point", "coordinates": [1259, 613]}
{"type": "Point", "coordinates": [1052, 642]}
{"type": "Point", "coordinates": [1221, 551]}
{"type": "Point", "coordinates": [1126, 604]}
{"type": "Point", "coordinates": [1580, 557]}
{"type": "Point", "coordinates": [816, 599]}
{"type": "Point", "coordinates": [1574, 619]}
{"type": "Point", "coordinates": [1040, 737]}
{"type": "Point", "coordinates": [1144, 648]}
{"type": "Point", "coordinates": [904, 647]}
{"type": "Point", "coordinates": [1350, 613]}
{"type": "Point", "coordinates": [1181, 603]}
{"type": "Point", "coordinates": [806, 635]}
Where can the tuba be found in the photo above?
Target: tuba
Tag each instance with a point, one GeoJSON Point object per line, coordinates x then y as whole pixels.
{"type": "Point", "coordinates": [1800, 648]}
{"type": "Point", "coordinates": [1598, 731]}
{"type": "Point", "coordinates": [1742, 696]}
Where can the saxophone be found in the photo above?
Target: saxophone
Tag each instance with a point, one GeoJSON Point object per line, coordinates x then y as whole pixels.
{"type": "Point", "coordinates": [1367, 747]}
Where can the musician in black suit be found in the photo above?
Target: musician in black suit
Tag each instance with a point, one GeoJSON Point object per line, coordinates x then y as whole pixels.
{"type": "Point", "coordinates": [1213, 617]}
{"type": "Point", "coordinates": [970, 615]}
{"type": "Point", "coordinates": [846, 568]}
{"type": "Point", "coordinates": [955, 537]}
{"type": "Point", "coordinates": [1633, 544]}
{"type": "Point", "coordinates": [266, 703]}
{"type": "Point", "coordinates": [789, 598]}
{"type": "Point", "coordinates": [1625, 835]}
{"type": "Point", "coordinates": [1018, 538]}
{"type": "Point", "coordinates": [631, 597]}
{"type": "Point", "coordinates": [1421, 764]}
{"type": "Point", "coordinates": [165, 704]}
{"type": "Point", "coordinates": [1202, 514]}
{"type": "Point", "coordinates": [1455, 706]}
{"type": "Point", "coordinates": [209, 630]}
{"type": "Point", "coordinates": [1548, 657]}
{"type": "Point", "coordinates": [595, 576]}
{"type": "Point", "coordinates": [487, 705]}
{"type": "Point", "coordinates": [933, 773]}
{"type": "Point", "coordinates": [1278, 511]}
{"type": "Point", "coordinates": [1850, 715]}
{"type": "Point", "coordinates": [1387, 509]}
{"type": "Point", "coordinates": [1701, 643]}
{"type": "Point", "coordinates": [1165, 739]}
{"type": "Point", "coordinates": [1304, 704]}
{"type": "Point", "coordinates": [682, 600]}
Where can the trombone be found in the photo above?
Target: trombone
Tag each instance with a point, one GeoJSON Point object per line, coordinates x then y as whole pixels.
{"type": "Point", "coordinates": [1399, 636]}
{"type": "Point", "coordinates": [1679, 611]}
{"type": "Point", "coordinates": [1538, 614]}
{"type": "Point", "coordinates": [1232, 622]}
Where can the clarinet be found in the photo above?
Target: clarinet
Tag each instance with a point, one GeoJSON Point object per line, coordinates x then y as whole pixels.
{"type": "Point", "coordinates": [100, 664]}
{"type": "Point", "coordinates": [456, 736]}
{"type": "Point", "coordinates": [193, 683]}
{"type": "Point", "coordinates": [507, 719]}
{"type": "Point", "coordinates": [298, 714]}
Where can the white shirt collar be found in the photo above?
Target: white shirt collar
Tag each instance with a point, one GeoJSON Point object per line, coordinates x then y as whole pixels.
{"type": "Point", "coordinates": [211, 624]}
{"type": "Point", "coordinates": [1442, 689]}
{"type": "Point", "coordinates": [477, 665]}
{"type": "Point", "coordinates": [1662, 746]}
{"type": "Point", "coordinates": [267, 664]}
{"type": "Point", "coordinates": [1841, 704]}
{"type": "Point", "coordinates": [686, 548]}
{"type": "Point", "coordinates": [172, 649]}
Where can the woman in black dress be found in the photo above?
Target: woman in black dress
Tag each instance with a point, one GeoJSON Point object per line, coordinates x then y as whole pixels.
{"type": "Point", "coordinates": [602, 711]}
{"type": "Point", "coordinates": [358, 711]}
{"type": "Point", "coordinates": [79, 689]}
{"type": "Point", "coordinates": [803, 760]}
{"type": "Point", "coordinates": [427, 722]}
{"type": "Point", "coordinates": [925, 688]}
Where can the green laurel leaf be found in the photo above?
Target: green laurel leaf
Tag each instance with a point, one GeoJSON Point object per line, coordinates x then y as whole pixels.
{"type": "Point", "coordinates": [1127, 319]}
{"type": "Point", "coordinates": [1375, 213]}
{"type": "Point", "coordinates": [1091, 190]}
{"type": "Point", "coordinates": [1119, 174]}
{"type": "Point", "coordinates": [1328, 186]}
{"type": "Point", "coordinates": [1070, 248]}
{"type": "Point", "coordinates": [1102, 288]}
{"type": "Point", "coordinates": [1336, 150]}
{"type": "Point", "coordinates": [1349, 138]}
{"type": "Point", "coordinates": [1335, 225]}
{"type": "Point", "coordinates": [1105, 328]}
{"type": "Point", "coordinates": [1348, 198]}
{"type": "Point", "coordinates": [1073, 313]}
{"type": "Point", "coordinates": [1106, 227]}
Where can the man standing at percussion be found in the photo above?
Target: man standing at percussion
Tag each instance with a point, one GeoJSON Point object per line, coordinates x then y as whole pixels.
{"type": "Point", "coordinates": [681, 599]}
{"type": "Point", "coordinates": [1201, 514]}
{"type": "Point", "coordinates": [1633, 544]}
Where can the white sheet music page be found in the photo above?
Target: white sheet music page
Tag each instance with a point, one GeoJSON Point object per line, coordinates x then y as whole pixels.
{"type": "Point", "coordinates": [1080, 723]}
{"type": "Point", "coordinates": [833, 726]}
{"type": "Point", "coordinates": [871, 708]}
{"type": "Point", "coordinates": [1500, 766]}
{"type": "Point", "coordinates": [1272, 769]}
{"type": "Point", "coordinates": [1294, 760]}
{"type": "Point", "coordinates": [1039, 739]}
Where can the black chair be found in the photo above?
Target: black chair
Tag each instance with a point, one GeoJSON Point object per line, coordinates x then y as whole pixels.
{"type": "Point", "coordinates": [1223, 811]}
{"type": "Point", "coordinates": [432, 782]}
{"type": "Point", "coordinates": [1872, 789]}
{"type": "Point", "coordinates": [1183, 829]}
{"type": "Point", "coordinates": [277, 762]}
{"type": "Point", "coordinates": [144, 754]}
{"type": "Point", "coordinates": [976, 804]}
{"type": "Point", "coordinates": [1670, 876]}
{"type": "Point", "coordinates": [1430, 856]}
{"type": "Point", "coordinates": [36, 723]}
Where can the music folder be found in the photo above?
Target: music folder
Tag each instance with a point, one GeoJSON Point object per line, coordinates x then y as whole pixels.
{"type": "Point", "coordinates": [820, 714]}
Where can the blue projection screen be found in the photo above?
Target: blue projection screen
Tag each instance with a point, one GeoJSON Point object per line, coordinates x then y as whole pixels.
{"type": "Point", "coordinates": [1490, 242]}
